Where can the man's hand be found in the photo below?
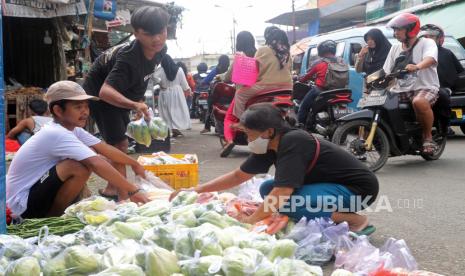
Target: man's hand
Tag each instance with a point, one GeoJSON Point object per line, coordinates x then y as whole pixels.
{"type": "Point", "coordinates": [412, 68]}
{"type": "Point", "coordinates": [364, 51]}
{"type": "Point", "coordinates": [139, 197]}
{"type": "Point", "coordinates": [142, 107]}
{"type": "Point", "coordinates": [139, 170]}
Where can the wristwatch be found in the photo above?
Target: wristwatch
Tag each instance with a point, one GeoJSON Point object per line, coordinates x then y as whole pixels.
{"type": "Point", "coordinates": [134, 192]}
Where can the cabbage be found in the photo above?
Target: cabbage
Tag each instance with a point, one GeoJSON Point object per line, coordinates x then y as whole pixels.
{"type": "Point", "coordinates": [13, 246]}
{"type": "Point", "coordinates": [238, 262]}
{"type": "Point", "coordinates": [219, 220]}
{"type": "Point", "coordinates": [162, 235]}
{"type": "Point", "coordinates": [118, 255]}
{"type": "Point", "coordinates": [283, 249]}
{"type": "Point", "coordinates": [125, 230]}
{"type": "Point", "coordinates": [205, 239]}
{"type": "Point", "coordinates": [122, 270]}
{"type": "Point", "coordinates": [160, 262]}
{"type": "Point", "coordinates": [186, 218]}
{"type": "Point", "coordinates": [185, 198]}
{"type": "Point", "coordinates": [288, 267]}
{"type": "Point", "coordinates": [55, 266]}
{"type": "Point", "coordinates": [26, 266]}
{"type": "Point", "coordinates": [183, 247]}
{"type": "Point", "coordinates": [204, 266]}
{"type": "Point", "coordinates": [79, 259]}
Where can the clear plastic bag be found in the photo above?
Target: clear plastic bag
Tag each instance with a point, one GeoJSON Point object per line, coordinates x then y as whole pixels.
{"type": "Point", "coordinates": [397, 255]}
{"type": "Point", "coordinates": [143, 130]}
{"type": "Point", "coordinates": [250, 189]}
{"type": "Point", "coordinates": [202, 266]}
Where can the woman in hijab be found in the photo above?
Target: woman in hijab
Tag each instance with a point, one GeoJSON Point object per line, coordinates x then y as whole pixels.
{"type": "Point", "coordinates": [371, 58]}
{"type": "Point", "coordinates": [274, 72]}
{"type": "Point", "coordinates": [174, 89]}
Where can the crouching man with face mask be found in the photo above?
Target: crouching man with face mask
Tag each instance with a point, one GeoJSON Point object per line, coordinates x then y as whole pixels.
{"type": "Point", "coordinates": [314, 178]}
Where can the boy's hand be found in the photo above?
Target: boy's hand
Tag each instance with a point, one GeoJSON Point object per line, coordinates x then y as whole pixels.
{"type": "Point", "coordinates": [142, 107]}
{"type": "Point", "coordinates": [139, 197]}
{"type": "Point", "coordinates": [138, 170]}
{"type": "Point", "coordinates": [411, 68]}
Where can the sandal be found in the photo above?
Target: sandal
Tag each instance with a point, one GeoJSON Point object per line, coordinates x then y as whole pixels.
{"type": "Point", "coordinates": [367, 231]}
{"type": "Point", "coordinates": [227, 150]}
{"type": "Point", "coordinates": [429, 147]}
{"type": "Point", "coordinates": [111, 197]}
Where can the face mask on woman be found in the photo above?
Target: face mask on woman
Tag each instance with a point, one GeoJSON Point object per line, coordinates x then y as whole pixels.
{"type": "Point", "coordinates": [259, 145]}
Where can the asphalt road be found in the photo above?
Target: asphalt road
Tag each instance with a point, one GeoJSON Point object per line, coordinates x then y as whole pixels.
{"type": "Point", "coordinates": [427, 199]}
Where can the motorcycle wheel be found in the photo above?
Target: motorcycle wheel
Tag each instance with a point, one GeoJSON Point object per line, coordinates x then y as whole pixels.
{"type": "Point", "coordinates": [347, 137]}
{"type": "Point", "coordinates": [441, 140]}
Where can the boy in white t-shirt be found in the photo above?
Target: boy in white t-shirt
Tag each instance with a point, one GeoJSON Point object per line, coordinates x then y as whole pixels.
{"type": "Point", "coordinates": [421, 85]}
{"type": "Point", "coordinates": [52, 168]}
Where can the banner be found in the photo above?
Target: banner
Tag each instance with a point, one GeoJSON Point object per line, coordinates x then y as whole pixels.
{"type": "Point", "coordinates": [43, 8]}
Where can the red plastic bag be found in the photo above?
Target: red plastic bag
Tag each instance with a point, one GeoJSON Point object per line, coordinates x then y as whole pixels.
{"type": "Point", "coordinates": [11, 145]}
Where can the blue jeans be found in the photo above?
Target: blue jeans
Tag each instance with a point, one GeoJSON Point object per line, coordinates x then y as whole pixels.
{"type": "Point", "coordinates": [23, 137]}
{"type": "Point", "coordinates": [306, 104]}
{"type": "Point", "coordinates": [314, 193]}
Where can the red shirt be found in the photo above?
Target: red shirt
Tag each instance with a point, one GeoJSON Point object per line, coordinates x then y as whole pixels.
{"type": "Point", "coordinates": [317, 73]}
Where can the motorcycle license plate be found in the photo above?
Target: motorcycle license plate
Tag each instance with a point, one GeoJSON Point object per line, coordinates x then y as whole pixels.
{"type": "Point", "coordinates": [372, 101]}
{"type": "Point", "coordinates": [458, 113]}
{"type": "Point", "coordinates": [203, 102]}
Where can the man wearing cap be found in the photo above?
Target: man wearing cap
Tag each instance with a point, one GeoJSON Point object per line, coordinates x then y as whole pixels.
{"type": "Point", "coordinates": [52, 168]}
{"type": "Point", "coordinates": [119, 77]}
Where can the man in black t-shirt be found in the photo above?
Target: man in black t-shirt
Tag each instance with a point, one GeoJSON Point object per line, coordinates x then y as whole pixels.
{"type": "Point", "coordinates": [119, 77]}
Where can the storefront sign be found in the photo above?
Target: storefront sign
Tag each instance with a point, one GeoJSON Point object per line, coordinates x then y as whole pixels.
{"type": "Point", "coordinates": [43, 8]}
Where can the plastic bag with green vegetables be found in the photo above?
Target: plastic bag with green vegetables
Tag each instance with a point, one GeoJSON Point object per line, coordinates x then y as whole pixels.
{"type": "Point", "coordinates": [80, 259]}
{"type": "Point", "coordinates": [205, 239]}
{"type": "Point", "coordinates": [14, 247]}
{"type": "Point", "coordinates": [26, 266]}
{"type": "Point", "coordinates": [183, 245]}
{"type": "Point", "coordinates": [241, 262]}
{"type": "Point", "coordinates": [283, 249]}
{"type": "Point", "coordinates": [203, 266]}
{"type": "Point", "coordinates": [122, 270]}
{"type": "Point", "coordinates": [289, 267]}
{"type": "Point", "coordinates": [185, 198]}
{"type": "Point", "coordinates": [127, 230]}
{"type": "Point", "coordinates": [55, 266]}
{"type": "Point", "coordinates": [163, 235]}
{"type": "Point", "coordinates": [123, 253]}
{"type": "Point", "coordinates": [140, 132]}
{"type": "Point", "coordinates": [158, 129]}
{"type": "Point", "coordinates": [160, 262]}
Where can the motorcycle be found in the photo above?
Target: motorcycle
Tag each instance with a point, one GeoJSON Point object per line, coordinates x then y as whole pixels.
{"type": "Point", "coordinates": [328, 107]}
{"type": "Point", "coordinates": [386, 127]}
{"type": "Point", "coordinates": [201, 105]}
{"type": "Point", "coordinates": [222, 96]}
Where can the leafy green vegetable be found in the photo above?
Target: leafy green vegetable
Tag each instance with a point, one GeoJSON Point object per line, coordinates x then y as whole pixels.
{"type": "Point", "coordinates": [185, 198]}
{"type": "Point", "coordinates": [161, 262]}
{"type": "Point", "coordinates": [79, 259]}
{"type": "Point", "coordinates": [283, 249]}
{"type": "Point", "coordinates": [122, 270]}
{"type": "Point", "coordinates": [204, 266]}
{"type": "Point", "coordinates": [288, 267]}
{"type": "Point", "coordinates": [125, 230]}
{"type": "Point", "coordinates": [26, 266]}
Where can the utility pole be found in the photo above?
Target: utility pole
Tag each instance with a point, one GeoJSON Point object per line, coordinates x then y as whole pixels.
{"type": "Point", "coordinates": [89, 26]}
{"type": "Point", "coordinates": [293, 22]}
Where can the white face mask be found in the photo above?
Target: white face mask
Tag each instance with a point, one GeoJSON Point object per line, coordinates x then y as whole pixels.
{"type": "Point", "coordinates": [259, 145]}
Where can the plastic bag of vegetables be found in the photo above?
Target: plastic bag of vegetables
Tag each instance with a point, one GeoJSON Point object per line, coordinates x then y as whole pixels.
{"type": "Point", "coordinates": [185, 198]}
{"type": "Point", "coordinates": [238, 262]}
{"type": "Point", "coordinates": [183, 245]}
{"type": "Point", "coordinates": [203, 266]}
{"type": "Point", "coordinates": [160, 262]}
{"type": "Point", "coordinates": [26, 266]}
{"type": "Point", "coordinates": [140, 132]}
{"type": "Point", "coordinates": [14, 247]}
{"type": "Point", "coordinates": [288, 267]}
{"type": "Point", "coordinates": [205, 239]}
{"type": "Point", "coordinates": [163, 235]}
{"type": "Point", "coordinates": [123, 253]}
{"type": "Point", "coordinates": [80, 259]}
{"type": "Point", "coordinates": [283, 249]}
{"type": "Point", "coordinates": [158, 129]}
{"type": "Point", "coordinates": [122, 270]}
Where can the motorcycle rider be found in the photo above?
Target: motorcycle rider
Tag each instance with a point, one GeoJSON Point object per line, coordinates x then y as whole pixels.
{"type": "Point", "coordinates": [421, 85]}
{"type": "Point", "coordinates": [317, 72]}
{"type": "Point", "coordinates": [221, 67]}
{"type": "Point", "coordinates": [448, 64]}
{"type": "Point", "coordinates": [201, 74]}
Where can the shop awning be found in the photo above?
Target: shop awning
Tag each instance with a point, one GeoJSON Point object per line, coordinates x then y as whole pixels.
{"type": "Point", "coordinates": [450, 17]}
{"type": "Point", "coordinates": [301, 17]}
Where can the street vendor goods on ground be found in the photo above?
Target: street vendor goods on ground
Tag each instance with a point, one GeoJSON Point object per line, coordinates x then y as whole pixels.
{"type": "Point", "coordinates": [194, 234]}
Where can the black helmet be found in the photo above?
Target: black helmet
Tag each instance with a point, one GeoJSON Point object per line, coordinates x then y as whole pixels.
{"type": "Point", "coordinates": [432, 30]}
{"type": "Point", "coordinates": [327, 47]}
{"type": "Point", "coordinates": [202, 67]}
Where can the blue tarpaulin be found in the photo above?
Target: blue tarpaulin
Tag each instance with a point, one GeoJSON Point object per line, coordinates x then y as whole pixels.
{"type": "Point", "coordinates": [2, 137]}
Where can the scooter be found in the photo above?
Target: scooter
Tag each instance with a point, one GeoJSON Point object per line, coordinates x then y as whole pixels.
{"type": "Point", "coordinates": [385, 127]}
{"type": "Point", "coordinates": [201, 105]}
{"type": "Point", "coordinates": [222, 96]}
{"type": "Point", "coordinates": [328, 106]}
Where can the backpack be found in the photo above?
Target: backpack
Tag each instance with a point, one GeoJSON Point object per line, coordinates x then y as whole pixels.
{"type": "Point", "coordinates": [337, 75]}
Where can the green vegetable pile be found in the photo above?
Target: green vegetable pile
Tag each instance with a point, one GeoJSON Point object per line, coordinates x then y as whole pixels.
{"type": "Point", "coordinates": [160, 238]}
{"type": "Point", "coordinates": [56, 226]}
{"type": "Point", "coordinates": [143, 132]}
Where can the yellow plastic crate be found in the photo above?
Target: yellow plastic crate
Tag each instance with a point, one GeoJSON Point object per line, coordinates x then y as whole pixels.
{"type": "Point", "coordinates": [177, 176]}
